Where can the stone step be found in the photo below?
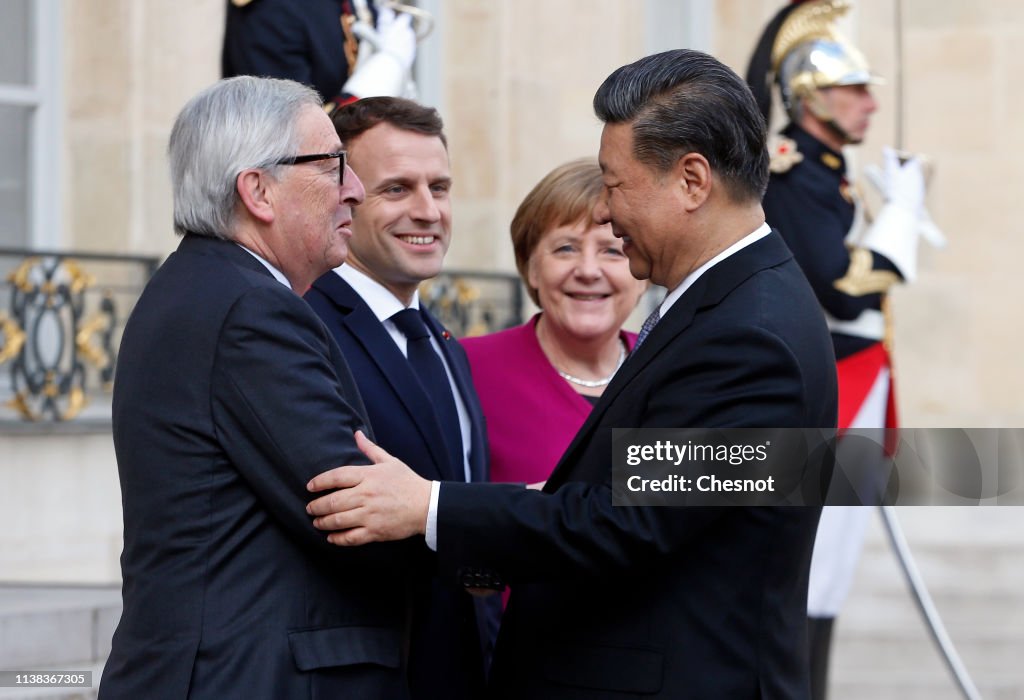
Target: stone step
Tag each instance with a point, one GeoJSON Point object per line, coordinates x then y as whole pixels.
{"type": "Point", "coordinates": [46, 626]}
{"type": "Point", "coordinates": [891, 613]}
{"type": "Point", "coordinates": [970, 559]}
{"type": "Point", "coordinates": [915, 689]}
{"type": "Point", "coordinates": [980, 572]}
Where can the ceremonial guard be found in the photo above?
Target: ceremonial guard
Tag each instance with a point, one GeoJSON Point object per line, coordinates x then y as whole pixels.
{"type": "Point", "coordinates": [344, 49]}
{"type": "Point", "coordinates": [850, 258]}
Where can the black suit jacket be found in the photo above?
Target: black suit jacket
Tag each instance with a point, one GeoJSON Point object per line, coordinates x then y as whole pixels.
{"type": "Point", "coordinates": [445, 657]}
{"type": "Point", "coordinates": [614, 602]}
{"type": "Point", "coordinates": [811, 207]}
{"type": "Point", "coordinates": [301, 41]}
{"type": "Point", "coordinates": [229, 396]}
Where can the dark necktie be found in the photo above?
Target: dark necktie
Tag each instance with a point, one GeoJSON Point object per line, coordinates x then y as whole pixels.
{"type": "Point", "coordinates": [427, 365]}
{"type": "Point", "coordinates": [648, 326]}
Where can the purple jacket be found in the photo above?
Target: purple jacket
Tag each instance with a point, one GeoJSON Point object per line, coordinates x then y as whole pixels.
{"type": "Point", "coordinates": [532, 414]}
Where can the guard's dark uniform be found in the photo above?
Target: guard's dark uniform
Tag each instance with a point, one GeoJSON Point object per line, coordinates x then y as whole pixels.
{"type": "Point", "coordinates": [850, 264]}
{"type": "Point", "coordinates": [811, 203]}
{"type": "Point", "coordinates": [302, 40]}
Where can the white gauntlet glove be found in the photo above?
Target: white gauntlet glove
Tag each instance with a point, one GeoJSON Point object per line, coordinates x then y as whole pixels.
{"type": "Point", "coordinates": [392, 50]}
{"type": "Point", "coordinates": [903, 218]}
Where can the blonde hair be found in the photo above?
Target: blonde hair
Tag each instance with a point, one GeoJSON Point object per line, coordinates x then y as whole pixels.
{"type": "Point", "coordinates": [566, 195]}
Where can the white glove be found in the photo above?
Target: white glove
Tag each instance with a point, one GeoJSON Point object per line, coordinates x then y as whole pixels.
{"type": "Point", "coordinates": [927, 228]}
{"type": "Point", "coordinates": [903, 218]}
{"type": "Point", "coordinates": [903, 183]}
{"type": "Point", "coordinates": [396, 36]}
{"type": "Point", "coordinates": [394, 49]}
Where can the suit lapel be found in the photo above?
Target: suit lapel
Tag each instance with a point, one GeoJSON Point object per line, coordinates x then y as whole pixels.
{"type": "Point", "coordinates": [706, 293]}
{"type": "Point", "coordinates": [368, 331]}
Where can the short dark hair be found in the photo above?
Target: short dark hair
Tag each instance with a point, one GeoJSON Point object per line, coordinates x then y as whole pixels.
{"type": "Point", "coordinates": [685, 101]}
{"type": "Point", "coordinates": [362, 115]}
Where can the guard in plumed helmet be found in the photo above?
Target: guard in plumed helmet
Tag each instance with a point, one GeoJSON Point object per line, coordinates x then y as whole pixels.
{"type": "Point", "coordinates": [344, 49]}
{"type": "Point", "coordinates": [850, 258]}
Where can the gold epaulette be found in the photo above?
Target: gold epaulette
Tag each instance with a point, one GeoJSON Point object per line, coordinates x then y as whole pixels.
{"type": "Point", "coordinates": [862, 279]}
{"type": "Point", "coordinates": [783, 153]}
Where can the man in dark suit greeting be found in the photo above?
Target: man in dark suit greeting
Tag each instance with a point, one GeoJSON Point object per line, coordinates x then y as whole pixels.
{"type": "Point", "coordinates": [613, 602]}
{"type": "Point", "coordinates": [412, 374]}
{"type": "Point", "coordinates": [230, 395]}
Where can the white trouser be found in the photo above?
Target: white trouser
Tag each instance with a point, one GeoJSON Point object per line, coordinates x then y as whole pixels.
{"type": "Point", "coordinates": [841, 529]}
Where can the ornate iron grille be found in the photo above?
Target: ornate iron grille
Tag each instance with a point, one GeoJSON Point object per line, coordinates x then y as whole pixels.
{"type": "Point", "coordinates": [61, 316]}
{"type": "Point", "coordinates": [474, 303]}
{"type": "Point", "coordinates": [62, 313]}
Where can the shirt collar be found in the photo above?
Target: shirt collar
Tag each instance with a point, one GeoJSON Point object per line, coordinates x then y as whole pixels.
{"type": "Point", "coordinates": [671, 298]}
{"type": "Point", "coordinates": [278, 275]}
{"type": "Point", "coordinates": [381, 301]}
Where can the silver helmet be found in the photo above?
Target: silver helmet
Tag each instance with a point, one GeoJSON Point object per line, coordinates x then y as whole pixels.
{"type": "Point", "coordinates": [809, 54]}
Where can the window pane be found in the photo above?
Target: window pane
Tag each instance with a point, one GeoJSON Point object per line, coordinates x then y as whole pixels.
{"type": "Point", "coordinates": [16, 48]}
{"type": "Point", "coordinates": [14, 172]}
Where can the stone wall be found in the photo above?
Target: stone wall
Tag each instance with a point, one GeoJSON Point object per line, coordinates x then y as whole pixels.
{"type": "Point", "coordinates": [517, 80]}
{"type": "Point", "coordinates": [128, 68]}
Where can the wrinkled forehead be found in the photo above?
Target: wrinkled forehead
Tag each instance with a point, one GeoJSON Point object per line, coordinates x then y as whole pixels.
{"type": "Point", "coordinates": [316, 132]}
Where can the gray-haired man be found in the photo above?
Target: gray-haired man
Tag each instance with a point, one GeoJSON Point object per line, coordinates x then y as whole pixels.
{"type": "Point", "coordinates": [230, 395]}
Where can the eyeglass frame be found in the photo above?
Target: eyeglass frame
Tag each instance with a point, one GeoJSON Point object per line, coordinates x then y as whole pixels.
{"type": "Point", "coordinates": [342, 157]}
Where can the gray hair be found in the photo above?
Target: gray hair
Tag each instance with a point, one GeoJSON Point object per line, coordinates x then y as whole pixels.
{"type": "Point", "coordinates": [235, 124]}
{"type": "Point", "coordinates": [685, 101]}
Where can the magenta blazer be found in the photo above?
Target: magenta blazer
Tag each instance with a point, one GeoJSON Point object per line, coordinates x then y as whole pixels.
{"type": "Point", "coordinates": [532, 413]}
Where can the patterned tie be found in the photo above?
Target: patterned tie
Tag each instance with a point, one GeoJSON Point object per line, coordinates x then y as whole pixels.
{"type": "Point", "coordinates": [648, 326]}
{"type": "Point", "coordinates": [430, 370]}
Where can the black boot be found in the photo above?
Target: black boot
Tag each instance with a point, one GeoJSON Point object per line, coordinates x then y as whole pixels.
{"type": "Point", "coordinates": [819, 639]}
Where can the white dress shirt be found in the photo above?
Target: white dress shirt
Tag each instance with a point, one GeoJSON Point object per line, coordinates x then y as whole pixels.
{"type": "Point", "coordinates": [278, 275]}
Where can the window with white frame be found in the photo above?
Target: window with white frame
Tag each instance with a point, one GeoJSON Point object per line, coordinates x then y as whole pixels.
{"type": "Point", "coordinates": [29, 194]}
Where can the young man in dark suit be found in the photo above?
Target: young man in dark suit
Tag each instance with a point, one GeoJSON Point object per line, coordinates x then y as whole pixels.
{"type": "Point", "coordinates": [657, 602]}
{"type": "Point", "coordinates": [423, 407]}
{"type": "Point", "coordinates": [229, 396]}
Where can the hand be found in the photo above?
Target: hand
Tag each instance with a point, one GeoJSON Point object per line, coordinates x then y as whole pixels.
{"type": "Point", "coordinates": [386, 71]}
{"type": "Point", "coordinates": [894, 173]}
{"type": "Point", "coordinates": [903, 183]}
{"type": "Point", "coordinates": [380, 502]}
{"type": "Point", "coordinates": [396, 36]}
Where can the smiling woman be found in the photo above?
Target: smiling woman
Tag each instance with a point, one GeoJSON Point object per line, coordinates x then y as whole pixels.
{"type": "Point", "coordinates": [541, 379]}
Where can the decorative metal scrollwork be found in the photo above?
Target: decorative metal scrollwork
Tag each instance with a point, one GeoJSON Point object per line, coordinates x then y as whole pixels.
{"type": "Point", "coordinates": [49, 340]}
{"type": "Point", "coordinates": [12, 337]}
{"type": "Point", "coordinates": [474, 303]}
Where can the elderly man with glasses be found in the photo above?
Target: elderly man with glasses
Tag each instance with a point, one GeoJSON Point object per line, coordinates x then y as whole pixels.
{"type": "Point", "coordinates": [230, 395]}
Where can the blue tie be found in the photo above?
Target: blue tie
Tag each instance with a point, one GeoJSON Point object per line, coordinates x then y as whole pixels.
{"type": "Point", "coordinates": [649, 324]}
{"type": "Point", "coordinates": [430, 370]}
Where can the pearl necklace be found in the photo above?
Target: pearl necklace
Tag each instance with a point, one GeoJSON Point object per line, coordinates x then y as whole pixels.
{"type": "Point", "coordinates": [594, 383]}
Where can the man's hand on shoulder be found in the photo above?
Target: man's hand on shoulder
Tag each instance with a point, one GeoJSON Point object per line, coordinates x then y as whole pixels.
{"type": "Point", "coordinates": [380, 502]}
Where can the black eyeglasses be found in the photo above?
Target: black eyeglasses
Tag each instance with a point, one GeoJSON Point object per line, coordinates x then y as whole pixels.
{"type": "Point", "coordinates": [342, 157]}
